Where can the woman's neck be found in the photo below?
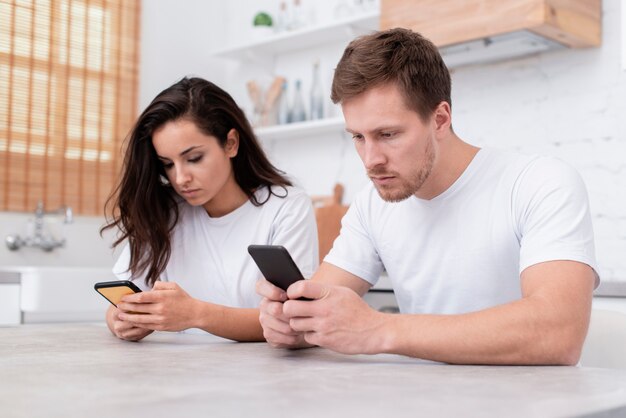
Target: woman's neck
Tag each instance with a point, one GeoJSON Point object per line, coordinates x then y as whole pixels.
{"type": "Point", "coordinates": [227, 200]}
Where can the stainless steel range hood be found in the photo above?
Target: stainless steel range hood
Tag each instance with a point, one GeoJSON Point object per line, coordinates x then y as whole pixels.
{"type": "Point", "coordinates": [496, 48]}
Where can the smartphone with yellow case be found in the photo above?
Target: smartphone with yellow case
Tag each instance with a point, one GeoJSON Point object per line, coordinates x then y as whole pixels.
{"type": "Point", "coordinates": [113, 291]}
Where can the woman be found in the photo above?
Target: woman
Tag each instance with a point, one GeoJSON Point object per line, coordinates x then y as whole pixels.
{"type": "Point", "coordinates": [196, 190]}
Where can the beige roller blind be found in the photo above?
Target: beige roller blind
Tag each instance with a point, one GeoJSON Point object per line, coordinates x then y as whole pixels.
{"type": "Point", "coordinates": [68, 97]}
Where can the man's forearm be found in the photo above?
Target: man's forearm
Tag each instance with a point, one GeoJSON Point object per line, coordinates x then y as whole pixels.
{"type": "Point", "coordinates": [522, 332]}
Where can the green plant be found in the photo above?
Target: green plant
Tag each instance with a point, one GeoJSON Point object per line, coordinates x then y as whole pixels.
{"type": "Point", "coordinates": [262, 19]}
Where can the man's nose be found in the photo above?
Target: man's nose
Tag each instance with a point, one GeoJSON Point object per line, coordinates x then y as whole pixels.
{"type": "Point", "coordinates": [372, 155]}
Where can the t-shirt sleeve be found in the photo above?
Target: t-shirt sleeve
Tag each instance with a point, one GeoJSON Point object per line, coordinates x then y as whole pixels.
{"type": "Point", "coordinates": [553, 216]}
{"type": "Point", "coordinates": [295, 229]}
{"type": "Point", "coordinates": [354, 250]}
{"type": "Point", "coordinates": [121, 271]}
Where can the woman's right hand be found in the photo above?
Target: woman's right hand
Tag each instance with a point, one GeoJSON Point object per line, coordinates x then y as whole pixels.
{"type": "Point", "coordinates": [123, 329]}
{"type": "Point", "coordinates": [276, 329]}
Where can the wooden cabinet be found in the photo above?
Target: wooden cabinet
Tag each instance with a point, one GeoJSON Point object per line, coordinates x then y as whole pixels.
{"type": "Point", "coordinates": [573, 23]}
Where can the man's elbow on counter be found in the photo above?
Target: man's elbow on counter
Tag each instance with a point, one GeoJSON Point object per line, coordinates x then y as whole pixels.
{"type": "Point", "coordinates": [570, 356]}
{"type": "Point", "coordinates": [563, 350]}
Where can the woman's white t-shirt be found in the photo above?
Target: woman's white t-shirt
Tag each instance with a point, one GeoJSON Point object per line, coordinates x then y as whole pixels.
{"type": "Point", "coordinates": [209, 257]}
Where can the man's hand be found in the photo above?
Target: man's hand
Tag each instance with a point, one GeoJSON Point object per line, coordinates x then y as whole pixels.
{"type": "Point", "coordinates": [276, 329]}
{"type": "Point", "coordinates": [337, 318]}
{"type": "Point", "coordinates": [167, 307]}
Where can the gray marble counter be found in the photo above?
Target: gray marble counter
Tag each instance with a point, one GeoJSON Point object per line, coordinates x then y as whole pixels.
{"type": "Point", "coordinates": [81, 370]}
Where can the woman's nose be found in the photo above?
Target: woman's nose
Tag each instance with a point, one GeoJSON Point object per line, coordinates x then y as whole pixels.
{"type": "Point", "coordinates": [182, 176]}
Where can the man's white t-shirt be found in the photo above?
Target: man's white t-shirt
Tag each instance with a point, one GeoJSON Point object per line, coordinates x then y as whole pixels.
{"type": "Point", "coordinates": [210, 260]}
{"type": "Point", "coordinates": [465, 249]}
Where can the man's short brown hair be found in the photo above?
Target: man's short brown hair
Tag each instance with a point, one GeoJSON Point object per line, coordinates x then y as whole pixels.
{"type": "Point", "coordinates": [398, 56]}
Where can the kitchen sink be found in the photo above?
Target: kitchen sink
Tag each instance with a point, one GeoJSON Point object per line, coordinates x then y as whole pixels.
{"type": "Point", "coordinates": [60, 294]}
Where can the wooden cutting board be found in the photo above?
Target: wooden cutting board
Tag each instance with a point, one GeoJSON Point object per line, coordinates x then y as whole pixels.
{"type": "Point", "coordinates": [328, 214]}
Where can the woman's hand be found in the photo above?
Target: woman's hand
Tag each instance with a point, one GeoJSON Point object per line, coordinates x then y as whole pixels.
{"type": "Point", "coordinates": [167, 307]}
{"type": "Point", "coordinates": [122, 329]}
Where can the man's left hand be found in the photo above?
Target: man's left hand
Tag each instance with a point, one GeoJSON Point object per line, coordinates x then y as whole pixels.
{"type": "Point", "coordinates": [336, 318]}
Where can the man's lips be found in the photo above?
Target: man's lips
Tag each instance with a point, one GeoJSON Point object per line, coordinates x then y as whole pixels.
{"type": "Point", "coordinates": [382, 180]}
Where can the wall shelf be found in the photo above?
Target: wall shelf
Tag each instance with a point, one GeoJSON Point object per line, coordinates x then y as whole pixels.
{"type": "Point", "coordinates": [322, 127]}
{"type": "Point", "coordinates": [343, 29]}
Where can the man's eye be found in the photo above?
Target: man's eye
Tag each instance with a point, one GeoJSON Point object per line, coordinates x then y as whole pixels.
{"type": "Point", "coordinates": [357, 137]}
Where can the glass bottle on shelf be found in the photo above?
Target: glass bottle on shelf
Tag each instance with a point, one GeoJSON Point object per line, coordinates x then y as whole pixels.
{"type": "Point", "coordinates": [283, 106]}
{"type": "Point", "coordinates": [298, 113]}
{"type": "Point", "coordinates": [283, 21]}
{"type": "Point", "coordinates": [317, 94]}
{"type": "Point", "coordinates": [342, 10]}
{"type": "Point", "coordinates": [297, 15]}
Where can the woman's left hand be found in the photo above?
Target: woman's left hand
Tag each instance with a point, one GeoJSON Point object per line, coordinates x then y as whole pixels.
{"type": "Point", "coordinates": [167, 307]}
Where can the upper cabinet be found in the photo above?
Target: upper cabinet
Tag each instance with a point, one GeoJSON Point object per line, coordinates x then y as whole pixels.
{"type": "Point", "coordinates": [472, 31]}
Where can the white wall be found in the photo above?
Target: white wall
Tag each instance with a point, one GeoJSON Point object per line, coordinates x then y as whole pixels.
{"type": "Point", "coordinates": [176, 40]}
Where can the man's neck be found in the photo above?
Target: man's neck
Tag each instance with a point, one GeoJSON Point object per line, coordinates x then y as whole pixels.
{"type": "Point", "coordinates": [453, 158]}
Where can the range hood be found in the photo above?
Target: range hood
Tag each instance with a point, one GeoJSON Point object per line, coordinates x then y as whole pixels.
{"type": "Point", "coordinates": [496, 48]}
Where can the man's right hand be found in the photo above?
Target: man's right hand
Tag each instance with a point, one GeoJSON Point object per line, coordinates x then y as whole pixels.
{"type": "Point", "coordinates": [123, 329]}
{"type": "Point", "coordinates": [276, 329]}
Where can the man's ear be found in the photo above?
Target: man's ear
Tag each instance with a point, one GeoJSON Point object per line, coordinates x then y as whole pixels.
{"type": "Point", "coordinates": [232, 143]}
{"type": "Point", "coordinates": [442, 118]}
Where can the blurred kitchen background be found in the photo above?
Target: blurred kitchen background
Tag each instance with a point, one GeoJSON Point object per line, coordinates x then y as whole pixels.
{"type": "Point", "coordinates": [535, 76]}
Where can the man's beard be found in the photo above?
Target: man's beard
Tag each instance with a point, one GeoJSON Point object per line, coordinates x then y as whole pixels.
{"type": "Point", "coordinates": [412, 184]}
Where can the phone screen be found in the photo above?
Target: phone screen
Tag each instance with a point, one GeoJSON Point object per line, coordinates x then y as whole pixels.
{"type": "Point", "coordinates": [113, 291]}
{"type": "Point", "coordinates": [275, 264]}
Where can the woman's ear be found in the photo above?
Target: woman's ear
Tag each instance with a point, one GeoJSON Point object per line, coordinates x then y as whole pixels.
{"type": "Point", "coordinates": [232, 143]}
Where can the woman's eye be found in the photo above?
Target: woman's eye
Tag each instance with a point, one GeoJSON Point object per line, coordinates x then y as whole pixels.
{"type": "Point", "coordinates": [195, 159]}
{"type": "Point", "coordinates": [167, 166]}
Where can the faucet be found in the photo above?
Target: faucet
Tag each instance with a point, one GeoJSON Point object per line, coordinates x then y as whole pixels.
{"type": "Point", "coordinates": [39, 238]}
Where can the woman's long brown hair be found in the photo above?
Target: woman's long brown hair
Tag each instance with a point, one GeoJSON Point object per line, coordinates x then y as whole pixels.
{"type": "Point", "coordinates": [144, 209]}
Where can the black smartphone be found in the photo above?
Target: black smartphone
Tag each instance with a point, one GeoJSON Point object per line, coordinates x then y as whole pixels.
{"type": "Point", "coordinates": [113, 291]}
{"type": "Point", "coordinates": [275, 264]}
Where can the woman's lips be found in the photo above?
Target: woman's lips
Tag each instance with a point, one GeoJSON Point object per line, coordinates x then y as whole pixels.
{"type": "Point", "coordinates": [189, 192]}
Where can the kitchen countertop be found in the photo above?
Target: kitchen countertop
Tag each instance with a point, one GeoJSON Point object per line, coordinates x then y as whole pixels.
{"type": "Point", "coordinates": [80, 370]}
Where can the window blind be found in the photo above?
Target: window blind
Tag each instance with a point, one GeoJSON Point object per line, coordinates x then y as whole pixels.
{"type": "Point", "coordinates": [68, 97]}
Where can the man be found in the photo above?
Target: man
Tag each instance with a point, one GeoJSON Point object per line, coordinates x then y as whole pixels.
{"type": "Point", "coordinates": [490, 254]}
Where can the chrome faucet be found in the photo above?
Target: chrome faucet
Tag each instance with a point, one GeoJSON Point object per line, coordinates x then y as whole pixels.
{"type": "Point", "coordinates": [39, 238]}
